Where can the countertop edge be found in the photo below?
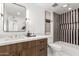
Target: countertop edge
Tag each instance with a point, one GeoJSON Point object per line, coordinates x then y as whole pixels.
{"type": "Point", "coordinates": [26, 39]}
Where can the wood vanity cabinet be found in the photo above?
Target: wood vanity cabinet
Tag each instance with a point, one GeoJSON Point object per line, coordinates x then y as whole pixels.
{"type": "Point", "coordinates": [35, 48]}
{"type": "Point", "coordinates": [30, 48]}
{"type": "Point", "coordinates": [15, 49]}
{"type": "Point", "coordinates": [4, 50]}
{"type": "Point", "coordinates": [41, 47]}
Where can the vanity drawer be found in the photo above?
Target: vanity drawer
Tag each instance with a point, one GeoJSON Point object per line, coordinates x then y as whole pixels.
{"type": "Point", "coordinates": [29, 44]}
{"type": "Point", "coordinates": [41, 42]}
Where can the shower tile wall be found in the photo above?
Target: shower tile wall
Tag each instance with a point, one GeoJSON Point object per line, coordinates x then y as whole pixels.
{"type": "Point", "coordinates": [56, 27]}
{"type": "Point", "coordinates": [69, 27]}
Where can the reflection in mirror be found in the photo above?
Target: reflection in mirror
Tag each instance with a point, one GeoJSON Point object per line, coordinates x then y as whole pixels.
{"type": "Point", "coordinates": [14, 17]}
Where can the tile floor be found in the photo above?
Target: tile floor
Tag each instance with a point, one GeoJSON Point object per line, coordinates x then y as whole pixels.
{"type": "Point", "coordinates": [55, 53]}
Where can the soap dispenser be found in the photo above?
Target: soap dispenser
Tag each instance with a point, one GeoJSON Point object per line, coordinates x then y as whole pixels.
{"type": "Point", "coordinates": [28, 34]}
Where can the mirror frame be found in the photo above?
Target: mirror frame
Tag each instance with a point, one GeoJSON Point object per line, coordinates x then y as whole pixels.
{"type": "Point", "coordinates": [7, 22]}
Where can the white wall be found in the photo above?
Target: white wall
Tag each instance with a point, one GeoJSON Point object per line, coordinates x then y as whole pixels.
{"type": "Point", "coordinates": [36, 15]}
{"type": "Point", "coordinates": [37, 18]}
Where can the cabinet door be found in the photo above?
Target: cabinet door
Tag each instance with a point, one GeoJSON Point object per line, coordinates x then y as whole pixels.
{"type": "Point", "coordinates": [18, 49]}
{"type": "Point", "coordinates": [13, 51]}
{"type": "Point", "coordinates": [28, 52]}
{"type": "Point", "coordinates": [24, 51]}
{"type": "Point", "coordinates": [4, 51]}
{"type": "Point", "coordinates": [28, 48]}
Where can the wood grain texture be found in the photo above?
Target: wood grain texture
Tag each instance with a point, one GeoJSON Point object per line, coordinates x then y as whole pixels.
{"type": "Point", "coordinates": [30, 48]}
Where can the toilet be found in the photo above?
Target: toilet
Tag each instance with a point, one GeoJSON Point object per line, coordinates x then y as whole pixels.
{"type": "Point", "coordinates": [54, 47]}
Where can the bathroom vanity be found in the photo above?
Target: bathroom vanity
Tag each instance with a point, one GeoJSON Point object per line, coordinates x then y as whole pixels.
{"type": "Point", "coordinates": [31, 46]}
{"type": "Point", "coordinates": [16, 20]}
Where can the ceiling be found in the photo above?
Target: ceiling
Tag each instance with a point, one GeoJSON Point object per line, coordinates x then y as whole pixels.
{"type": "Point", "coordinates": [59, 9]}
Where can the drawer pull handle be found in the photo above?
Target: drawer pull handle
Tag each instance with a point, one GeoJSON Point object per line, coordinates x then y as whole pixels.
{"type": "Point", "coordinates": [43, 48]}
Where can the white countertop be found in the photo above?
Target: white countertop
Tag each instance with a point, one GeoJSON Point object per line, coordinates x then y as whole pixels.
{"type": "Point", "coordinates": [8, 41]}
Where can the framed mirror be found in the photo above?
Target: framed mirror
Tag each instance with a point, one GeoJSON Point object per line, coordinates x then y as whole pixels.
{"type": "Point", "coordinates": [14, 17]}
